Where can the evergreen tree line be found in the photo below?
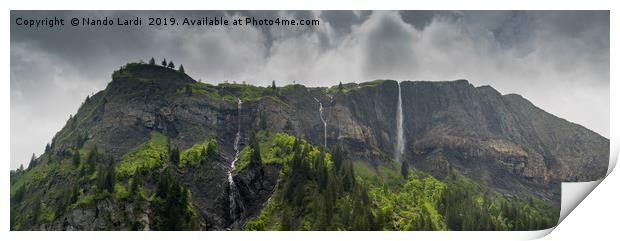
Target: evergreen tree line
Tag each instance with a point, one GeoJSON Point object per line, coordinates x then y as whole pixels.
{"type": "Point", "coordinates": [327, 194]}
{"type": "Point", "coordinates": [464, 209]}
{"type": "Point", "coordinates": [167, 64]}
{"type": "Point", "coordinates": [171, 205]}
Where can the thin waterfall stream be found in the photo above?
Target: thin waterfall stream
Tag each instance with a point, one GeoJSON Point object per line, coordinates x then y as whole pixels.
{"type": "Point", "coordinates": [233, 192]}
{"type": "Point", "coordinates": [324, 122]}
{"type": "Point", "coordinates": [400, 137]}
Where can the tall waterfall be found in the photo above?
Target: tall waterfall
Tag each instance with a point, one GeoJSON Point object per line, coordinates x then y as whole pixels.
{"type": "Point", "coordinates": [400, 137]}
{"type": "Point", "coordinates": [233, 193]}
{"type": "Point", "coordinates": [324, 122]}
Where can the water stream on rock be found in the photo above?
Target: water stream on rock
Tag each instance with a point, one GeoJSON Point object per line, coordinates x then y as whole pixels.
{"type": "Point", "coordinates": [324, 122]}
{"type": "Point", "coordinates": [233, 192]}
{"type": "Point", "coordinates": [400, 137]}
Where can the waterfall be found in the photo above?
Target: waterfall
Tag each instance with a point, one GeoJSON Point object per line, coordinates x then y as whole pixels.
{"type": "Point", "coordinates": [324, 122]}
{"type": "Point", "coordinates": [400, 137]}
{"type": "Point", "coordinates": [233, 193]}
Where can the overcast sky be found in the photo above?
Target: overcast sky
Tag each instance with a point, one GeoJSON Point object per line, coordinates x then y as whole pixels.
{"type": "Point", "coordinates": [559, 60]}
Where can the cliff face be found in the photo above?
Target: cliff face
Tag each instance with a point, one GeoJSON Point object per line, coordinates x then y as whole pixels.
{"type": "Point", "coordinates": [503, 141]}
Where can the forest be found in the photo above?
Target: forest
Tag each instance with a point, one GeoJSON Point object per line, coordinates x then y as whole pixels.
{"type": "Point", "coordinates": [323, 190]}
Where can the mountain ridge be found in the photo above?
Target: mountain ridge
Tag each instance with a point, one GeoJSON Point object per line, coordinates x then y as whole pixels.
{"type": "Point", "coordinates": [501, 141]}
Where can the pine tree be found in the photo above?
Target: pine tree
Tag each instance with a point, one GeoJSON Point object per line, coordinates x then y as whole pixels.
{"type": "Point", "coordinates": [152, 61]}
{"type": "Point", "coordinates": [174, 156]}
{"type": "Point", "coordinates": [181, 69]}
{"type": "Point", "coordinates": [348, 177]}
{"type": "Point", "coordinates": [36, 209]}
{"type": "Point", "coordinates": [168, 144]}
{"type": "Point", "coordinates": [19, 195]}
{"type": "Point", "coordinates": [106, 177]}
{"type": "Point", "coordinates": [273, 86]}
{"type": "Point", "coordinates": [340, 87]}
{"type": "Point", "coordinates": [321, 169]}
{"type": "Point", "coordinates": [76, 158]}
{"type": "Point", "coordinates": [171, 65]}
{"type": "Point", "coordinates": [255, 157]}
{"type": "Point", "coordinates": [91, 160]}
{"type": "Point", "coordinates": [404, 169]}
{"type": "Point", "coordinates": [330, 198]}
{"type": "Point", "coordinates": [164, 63]}
{"type": "Point", "coordinates": [337, 157]}
{"type": "Point", "coordinates": [33, 161]}
{"type": "Point", "coordinates": [380, 220]}
{"type": "Point", "coordinates": [136, 183]}
{"type": "Point", "coordinates": [212, 149]}
{"type": "Point", "coordinates": [286, 223]}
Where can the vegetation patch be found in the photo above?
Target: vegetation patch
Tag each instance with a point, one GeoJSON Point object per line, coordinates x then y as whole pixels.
{"type": "Point", "coordinates": [198, 153]}
{"type": "Point", "coordinates": [147, 156]}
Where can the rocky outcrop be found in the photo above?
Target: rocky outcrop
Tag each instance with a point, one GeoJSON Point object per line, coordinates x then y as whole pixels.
{"type": "Point", "coordinates": [106, 214]}
{"type": "Point", "coordinates": [256, 183]}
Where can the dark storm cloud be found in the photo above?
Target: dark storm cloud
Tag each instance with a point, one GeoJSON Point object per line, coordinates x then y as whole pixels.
{"type": "Point", "coordinates": [388, 43]}
{"type": "Point", "coordinates": [421, 19]}
{"type": "Point", "coordinates": [343, 21]}
{"type": "Point", "coordinates": [557, 59]}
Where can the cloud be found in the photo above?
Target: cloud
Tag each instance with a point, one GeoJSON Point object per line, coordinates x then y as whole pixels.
{"type": "Point", "coordinates": [45, 90]}
{"type": "Point", "coordinates": [557, 59]}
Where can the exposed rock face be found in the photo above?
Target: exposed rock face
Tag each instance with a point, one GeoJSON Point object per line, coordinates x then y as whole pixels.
{"type": "Point", "coordinates": [501, 140]}
{"type": "Point", "coordinates": [102, 215]}
{"type": "Point", "coordinates": [209, 186]}
{"type": "Point", "coordinates": [524, 150]}
{"type": "Point", "coordinates": [256, 183]}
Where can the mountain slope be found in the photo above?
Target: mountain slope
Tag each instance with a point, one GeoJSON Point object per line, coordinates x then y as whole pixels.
{"type": "Point", "coordinates": [165, 132]}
